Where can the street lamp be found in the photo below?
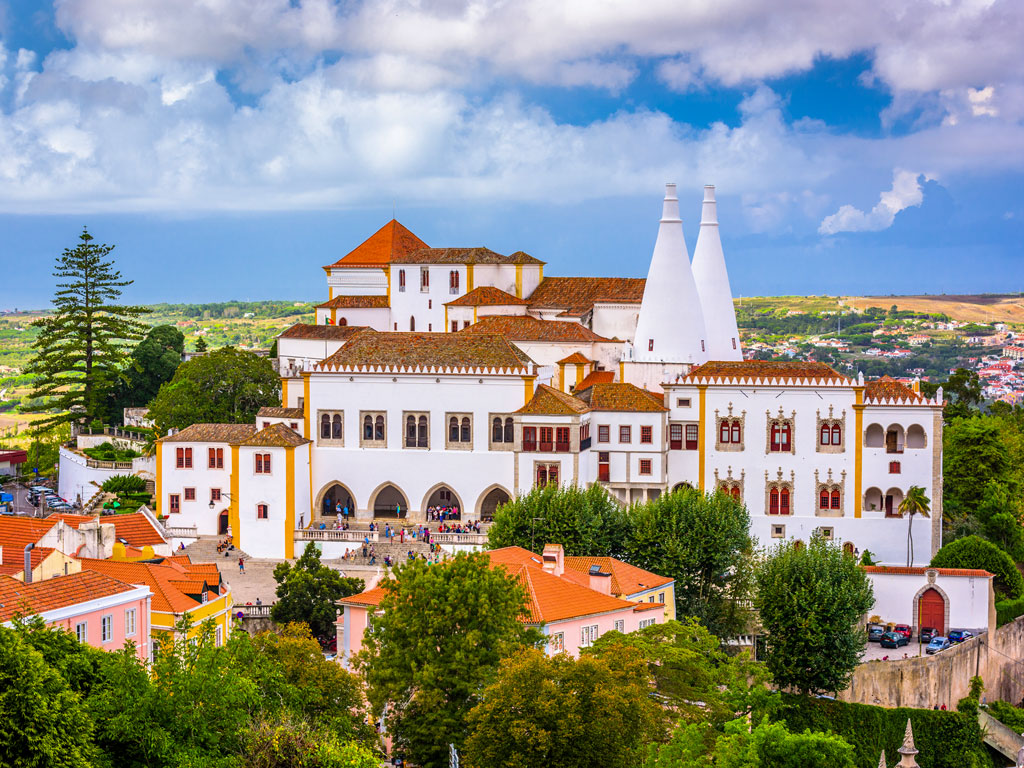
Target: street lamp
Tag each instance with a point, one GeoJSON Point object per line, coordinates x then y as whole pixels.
{"type": "Point", "coordinates": [225, 494]}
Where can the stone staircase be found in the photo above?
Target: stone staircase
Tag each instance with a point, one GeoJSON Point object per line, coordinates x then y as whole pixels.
{"type": "Point", "coordinates": [397, 551]}
{"type": "Point", "coordinates": [204, 550]}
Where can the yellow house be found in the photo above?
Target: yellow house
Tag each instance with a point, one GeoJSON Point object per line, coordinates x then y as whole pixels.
{"type": "Point", "coordinates": [179, 586]}
{"type": "Point", "coordinates": [629, 582]}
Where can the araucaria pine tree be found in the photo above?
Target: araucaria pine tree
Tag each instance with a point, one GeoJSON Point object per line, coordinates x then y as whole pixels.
{"type": "Point", "coordinates": [82, 344]}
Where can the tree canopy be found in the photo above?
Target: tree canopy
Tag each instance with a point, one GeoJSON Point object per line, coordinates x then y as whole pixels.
{"type": "Point", "coordinates": [810, 600]}
{"type": "Point", "coordinates": [438, 639]}
{"type": "Point", "coordinates": [226, 386]}
{"type": "Point", "coordinates": [308, 591]}
{"type": "Point", "coordinates": [975, 552]}
{"type": "Point", "coordinates": [703, 542]}
{"type": "Point", "coordinates": [562, 712]}
{"type": "Point", "coordinates": [152, 363]}
{"type": "Point", "coordinates": [584, 521]}
{"type": "Point", "coordinates": [81, 346]}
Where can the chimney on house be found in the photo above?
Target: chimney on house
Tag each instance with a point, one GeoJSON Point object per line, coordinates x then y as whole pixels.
{"type": "Point", "coordinates": [554, 559]}
{"type": "Point", "coordinates": [599, 580]}
{"type": "Point", "coordinates": [28, 562]}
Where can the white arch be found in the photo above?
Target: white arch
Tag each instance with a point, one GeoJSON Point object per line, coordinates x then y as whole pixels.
{"type": "Point", "coordinates": [426, 497]}
{"type": "Point", "coordinates": [487, 492]}
{"type": "Point", "coordinates": [319, 505]}
{"type": "Point", "coordinates": [371, 506]}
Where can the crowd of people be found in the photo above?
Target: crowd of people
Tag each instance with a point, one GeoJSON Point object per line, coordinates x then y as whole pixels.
{"type": "Point", "coordinates": [441, 514]}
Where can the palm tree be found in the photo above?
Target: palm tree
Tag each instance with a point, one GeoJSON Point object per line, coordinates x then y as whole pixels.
{"type": "Point", "coordinates": [914, 503]}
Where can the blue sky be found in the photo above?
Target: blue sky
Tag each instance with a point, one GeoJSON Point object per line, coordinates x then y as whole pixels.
{"type": "Point", "coordinates": [231, 149]}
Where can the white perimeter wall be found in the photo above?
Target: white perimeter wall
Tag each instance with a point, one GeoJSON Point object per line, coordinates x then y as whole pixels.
{"type": "Point", "coordinates": [968, 598]}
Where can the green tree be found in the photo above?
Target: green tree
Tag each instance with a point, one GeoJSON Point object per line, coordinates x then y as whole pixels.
{"type": "Point", "coordinates": [975, 457]}
{"type": "Point", "coordinates": [82, 344]}
{"type": "Point", "coordinates": [225, 386]}
{"type": "Point", "coordinates": [810, 599]}
{"type": "Point", "coordinates": [914, 503]}
{"type": "Point", "coordinates": [201, 345]}
{"type": "Point", "coordinates": [963, 391]}
{"type": "Point", "coordinates": [44, 722]}
{"type": "Point", "coordinates": [291, 743]}
{"type": "Point", "coordinates": [975, 552]}
{"type": "Point", "coordinates": [151, 364]}
{"type": "Point", "coordinates": [703, 542]}
{"type": "Point", "coordinates": [308, 592]}
{"type": "Point", "coordinates": [563, 712]}
{"type": "Point", "coordinates": [584, 521]}
{"type": "Point", "coordinates": [440, 634]}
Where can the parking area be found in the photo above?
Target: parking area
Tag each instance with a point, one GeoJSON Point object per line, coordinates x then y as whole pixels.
{"type": "Point", "coordinates": [21, 504]}
{"type": "Point", "coordinates": [875, 652]}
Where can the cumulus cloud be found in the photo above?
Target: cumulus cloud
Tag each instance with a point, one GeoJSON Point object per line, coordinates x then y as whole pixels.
{"type": "Point", "coordinates": [905, 192]}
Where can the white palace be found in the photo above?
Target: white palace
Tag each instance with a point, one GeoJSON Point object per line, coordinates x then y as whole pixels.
{"type": "Point", "coordinates": [461, 377]}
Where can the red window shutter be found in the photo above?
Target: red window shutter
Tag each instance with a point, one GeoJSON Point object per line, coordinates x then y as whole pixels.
{"type": "Point", "coordinates": [562, 439]}
{"type": "Point", "coordinates": [736, 434]}
{"type": "Point", "coordinates": [773, 502]}
{"type": "Point", "coordinates": [691, 437]}
{"type": "Point", "coordinates": [675, 437]}
{"type": "Point", "coordinates": [736, 493]}
{"type": "Point", "coordinates": [553, 474]}
{"type": "Point", "coordinates": [542, 475]}
{"type": "Point", "coordinates": [837, 434]}
{"type": "Point", "coordinates": [266, 463]}
{"type": "Point", "coordinates": [175, 502]}
{"type": "Point", "coordinates": [179, 456]}
{"type": "Point", "coordinates": [188, 458]}
{"type": "Point", "coordinates": [646, 434]}
{"type": "Point", "coordinates": [823, 500]}
{"type": "Point", "coordinates": [190, 494]}
{"type": "Point", "coordinates": [826, 435]}
{"type": "Point", "coordinates": [775, 441]}
{"type": "Point", "coordinates": [785, 437]}
{"type": "Point", "coordinates": [259, 463]}
{"type": "Point", "coordinates": [529, 438]}
{"type": "Point", "coordinates": [625, 434]}
{"type": "Point", "coordinates": [784, 501]}
{"type": "Point", "coordinates": [212, 454]}
{"type": "Point", "coordinates": [220, 458]}
{"type": "Point", "coordinates": [602, 433]}
{"type": "Point", "coordinates": [835, 499]}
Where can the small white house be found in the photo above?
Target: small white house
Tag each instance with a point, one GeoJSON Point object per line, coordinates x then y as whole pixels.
{"type": "Point", "coordinates": [943, 598]}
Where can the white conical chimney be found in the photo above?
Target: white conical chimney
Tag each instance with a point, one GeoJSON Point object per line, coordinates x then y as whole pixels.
{"type": "Point", "coordinates": [712, 281]}
{"type": "Point", "coordinates": [670, 327]}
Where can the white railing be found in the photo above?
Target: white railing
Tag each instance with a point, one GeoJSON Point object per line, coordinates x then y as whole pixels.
{"type": "Point", "coordinates": [252, 611]}
{"type": "Point", "coordinates": [459, 538]}
{"type": "Point", "coordinates": [182, 531]}
{"type": "Point", "coordinates": [333, 534]}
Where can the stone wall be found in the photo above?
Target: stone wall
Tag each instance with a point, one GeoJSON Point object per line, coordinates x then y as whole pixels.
{"type": "Point", "coordinates": [945, 678]}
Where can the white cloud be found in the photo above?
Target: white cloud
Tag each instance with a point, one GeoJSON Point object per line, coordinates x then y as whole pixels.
{"type": "Point", "coordinates": [905, 192]}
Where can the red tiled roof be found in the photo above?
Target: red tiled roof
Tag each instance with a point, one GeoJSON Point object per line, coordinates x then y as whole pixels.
{"type": "Point", "coordinates": [162, 578]}
{"type": "Point", "coordinates": [595, 377]}
{"type": "Point", "coordinates": [577, 358]}
{"type": "Point", "coordinates": [212, 433]}
{"type": "Point", "coordinates": [626, 579]}
{"type": "Point", "coordinates": [620, 397]}
{"type": "Point", "coordinates": [577, 295]}
{"type": "Point", "coordinates": [16, 532]}
{"type": "Point", "coordinates": [355, 302]}
{"type": "Point", "coordinates": [901, 570]}
{"type": "Point", "coordinates": [464, 256]}
{"type": "Point", "coordinates": [58, 592]}
{"type": "Point", "coordinates": [766, 370]}
{"type": "Point", "coordinates": [321, 332]}
{"type": "Point", "coordinates": [13, 558]}
{"type": "Point", "coordinates": [408, 351]}
{"type": "Point", "coordinates": [135, 528]}
{"type": "Point", "coordinates": [277, 435]}
{"type": "Point", "coordinates": [381, 248]}
{"type": "Point", "coordinates": [277, 412]}
{"type": "Point", "coordinates": [487, 296]}
{"type": "Point", "coordinates": [549, 401]}
{"type": "Point", "coordinates": [887, 388]}
{"type": "Point", "coordinates": [526, 328]}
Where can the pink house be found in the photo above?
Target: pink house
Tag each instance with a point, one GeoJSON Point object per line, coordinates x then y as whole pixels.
{"type": "Point", "coordinates": [571, 608]}
{"type": "Point", "coordinates": [99, 610]}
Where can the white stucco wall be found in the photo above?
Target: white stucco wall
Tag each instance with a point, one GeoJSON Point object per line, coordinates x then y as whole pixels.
{"type": "Point", "coordinates": [969, 598]}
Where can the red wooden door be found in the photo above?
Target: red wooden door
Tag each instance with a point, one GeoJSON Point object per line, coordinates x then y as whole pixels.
{"type": "Point", "coordinates": [932, 610]}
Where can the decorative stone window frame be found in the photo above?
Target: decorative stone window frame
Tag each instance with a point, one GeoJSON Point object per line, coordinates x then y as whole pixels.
{"type": "Point", "coordinates": [330, 441]}
{"type": "Point", "coordinates": [781, 419]}
{"type": "Point", "coordinates": [728, 483]}
{"type": "Point", "coordinates": [827, 532]}
{"type": "Point", "coordinates": [363, 441]}
{"type": "Point", "coordinates": [830, 484]}
{"type": "Point", "coordinates": [459, 445]}
{"type": "Point", "coordinates": [730, 417]}
{"type": "Point", "coordinates": [778, 530]}
{"type": "Point", "coordinates": [416, 415]}
{"type": "Point", "coordinates": [780, 483]}
{"type": "Point", "coordinates": [504, 445]}
{"type": "Point", "coordinates": [831, 420]}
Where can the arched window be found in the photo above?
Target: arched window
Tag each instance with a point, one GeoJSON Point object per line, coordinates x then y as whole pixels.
{"type": "Point", "coordinates": [542, 475]}
{"type": "Point", "coordinates": [736, 432]}
{"type": "Point", "coordinates": [736, 492]}
{"type": "Point", "coordinates": [773, 502]}
{"type": "Point", "coordinates": [421, 434]}
{"type": "Point", "coordinates": [367, 427]}
{"type": "Point", "coordinates": [464, 435]}
{"type": "Point", "coordinates": [776, 440]}
{"type": "Point", "coordinates": [835, 499]}
{"type": "Point", "coordinates": [837, 434]}
{"type": "Point", "coordinates": [823, 501]}
{"type": "Point", "coordinates": [826, 434]}
{"type": "Point", "coordinates": [343, 321]}
{"type": "Point", "coordinates": [784, 501]}
{"type": "Point", "coordinates": [410, 431]}
{"type": "Point", "coordinates": [453, 430]}
{"type": "Point", "coordinates": [336, 427]}
{"type": "Point", "coordinates": [325, 426]}
{"type": "Point", "coordinates": [378, 428]}
{"type": "Point", "coordinates": [785, 437]}
{"type": "Point", "coordinates": [496, 432]}
{"type": "Point", "coordinates": [412, 323]}
{"type": "Point", "coordinates": [508, 430]}
{"type": "Point", "coordinates": [724, 488]}
{"type": "Point", "coordinates": [401, 280]}
{"type": "Point", "coordinates": [723, 436]}
{"type": "Point", "coordinates": [453, 281]}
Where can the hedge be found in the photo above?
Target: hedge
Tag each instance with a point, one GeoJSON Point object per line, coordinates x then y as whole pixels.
{"type": "Point", "coordinates": [1008, 610]}
{"type": "Point", "coordinates": [1007, 714]}
{"type": "Point", "coordinates": [946, 739]}
{"type": "Point", "coordinates": [975, 552]}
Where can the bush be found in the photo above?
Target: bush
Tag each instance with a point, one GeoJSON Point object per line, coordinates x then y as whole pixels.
{"type": "Point", "coordinates": [1008, 610]}
{"type": "Point", "coordinates": [110, 452]}
{"type": "Point", "coordinates": [1007, 714]}
{"type": "Point", "coordinates": [124, 485]}
{"type": "Point", "coordinates": [946, 739]}
{"type": "Point", "coordinates": [975, 552]}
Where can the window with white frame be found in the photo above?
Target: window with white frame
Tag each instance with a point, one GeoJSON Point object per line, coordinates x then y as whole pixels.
{"type": "Point", "coordinates": [82, 632]}
{"type": "Point", "coordinates": [620, 625]}
{"type": "Point", "coordinates": [129, 622]}
{"type": "Point", "coordinates": [588, 635]}
{"type": "Point", "coordinates": [647, 623]}
{"type": "Point", "coordinates": [219, 637]}
{"type": "Point", "coordinates": [107, 628]}
{"type": "Point", "coordinates": [557, 642]}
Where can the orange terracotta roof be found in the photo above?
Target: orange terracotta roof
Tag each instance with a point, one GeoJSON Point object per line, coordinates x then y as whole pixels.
{"type": "Point", "coordinates": [409, 351]}
{"type": "Point", "coordinates": [370, 597]}
{"type": "Point", "coordinates": [212, 433]}
{"type": "Point", "coordinates": [381, 248]}
{"type": "Point", "coordinates": [72, 520]}
{"type": "Point", "coordinates": [16, 532]}
{"type": "Point", "coordinates": [355, 302]}
{"type": "Point", "coordinates": [277, 412]}
{"type": "Point", "coordinates": [39, 597]}
{"type": "Point", "coordinates": [277, 435]}
{"type": "Point", "coordinates": [549, 401]}
{"type": "Point", "coordinates": [135, 528]}
{"type": "Point", "coordinates": [766, 370]}
{"type": "Point", "coordinates": [641, 607]}
{"type": "Point", "coordinates": [621, 397]}
{"type": "Point", "coordinates": [900, 570]}
{"type": "Point", "coordinates": [321, 332]}
{"type": "Point", "coordinates": [487, 296]}
{"type": "Point", "coordinates": [13, 557]}
{"type": "Point", "coordinates": [577, 358]}
{"type": "Point", "coordinates": [887, 388]}
{"type": "Point", "coordinates": [577, 295]}
{"type": "Point", "coordinates": [626, 579]}
{"type": "Point", "coordinates": [526, 328]}
{"type": "Point", "coordinates": [160, 577]}
{"type": "Point", "coordinates": [463, 256]}
{"type": "Point", "coordinates": [595, 377]}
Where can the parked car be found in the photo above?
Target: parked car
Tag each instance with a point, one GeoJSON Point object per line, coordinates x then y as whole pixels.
{"type": "Point", "coordinates": [927, 633]}
{"type": "Point", "coordinates": [936, 644]}
{"type": "Point", "coordinates": [959, 635]}
{"type": "Point", "coordinates": [893, 640]}
{"type": "Point", "coordinates": [903, 629]}
{"type": "Point", "coordinates": [875, 632]}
